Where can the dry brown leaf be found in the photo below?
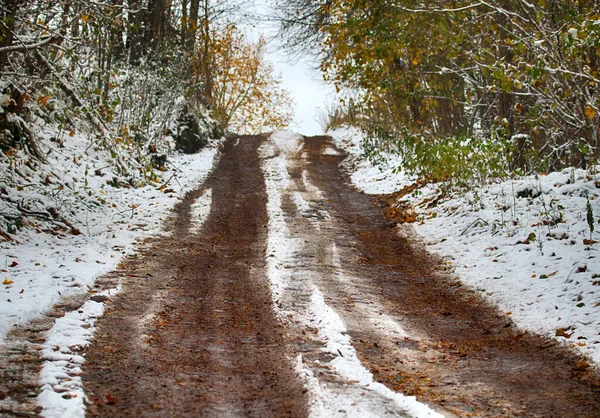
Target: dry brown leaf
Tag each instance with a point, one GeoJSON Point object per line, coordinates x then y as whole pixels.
{"type": "Point", "coordinates": [43, 100]}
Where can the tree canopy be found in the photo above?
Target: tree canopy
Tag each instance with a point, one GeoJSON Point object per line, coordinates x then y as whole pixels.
{"type": "Point", "coordinates": [510, 77]}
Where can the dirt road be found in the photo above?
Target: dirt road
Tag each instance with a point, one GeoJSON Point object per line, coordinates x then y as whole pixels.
{"type": "Point", "coordinates": [194, 333]}
{"type": "Point", "coordinates": [289, 294]}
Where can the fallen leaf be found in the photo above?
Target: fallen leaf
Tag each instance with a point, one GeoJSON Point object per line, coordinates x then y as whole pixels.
{"type": "Point", "coordinates": [43, 100]}
{"type": "Point", "coordinates": [581, 365]}
{"type": "Point", "coordinates": [6, 282]}
{"type": "Point", "coordinates": [110, 399]}
{"type": "Point", "coordinates": [14, 264]}
{"type": "Point", "coordinates": [561, 332]}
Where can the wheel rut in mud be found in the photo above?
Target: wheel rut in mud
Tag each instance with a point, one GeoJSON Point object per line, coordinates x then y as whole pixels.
{"type": "Point", "coordinates": [196, 332]}
{"type": "Point", "coordinates": [448, 347]}
{"type": "Point", "coordinates": [193, 332]}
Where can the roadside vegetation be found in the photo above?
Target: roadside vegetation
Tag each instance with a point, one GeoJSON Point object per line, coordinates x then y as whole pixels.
{"type": "Point", "coordinates": [125, 83]}
{"type": "Point", "coordinates": [461, 90]}
{"type": "Point", "coordinates": [481, 126]}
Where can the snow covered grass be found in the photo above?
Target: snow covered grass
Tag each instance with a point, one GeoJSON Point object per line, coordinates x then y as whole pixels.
{"type": "Point", "coordinates": [42, 263]}
{"type": "Point", "coordinates": [365, 176]}
{"type": "Point", "coordinates": [521, 243]}
{"type": "Point", "coordinates": [46, 261]}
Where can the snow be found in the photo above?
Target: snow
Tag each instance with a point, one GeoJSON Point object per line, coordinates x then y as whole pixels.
{"type": "Point", "coordinates": [365, 176]}
{"type": "Point", "coordinates": [62, 392]}
{"type": "Point", "coordinates": [200, 210]}
{"type": "Point", "coordinates": [41, 265]}
{"type": "Point", "coordinates": [573, 32]}
{"type": "Point", "coordinates": [286, 141]}
{"type": "Point", "coordinates": [518, 243]}
{"type": "Point", "coordinates": [48, 267]}
{"type": "Point", "coordinates": [5, 100]}
{"type": "Point", "coordinates": [360, 395]}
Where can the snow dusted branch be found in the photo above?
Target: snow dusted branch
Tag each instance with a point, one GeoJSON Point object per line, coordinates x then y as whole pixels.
{"type": "Point", "coordinates": [458, 9]}
{"type": "Point", "coordinates": [70, 92]}
{"type": "Point", "coordinates": [28, 47]}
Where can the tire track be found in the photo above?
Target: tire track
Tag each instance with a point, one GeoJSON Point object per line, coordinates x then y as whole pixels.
{"type": "Point", "coordinates": [194, 333]}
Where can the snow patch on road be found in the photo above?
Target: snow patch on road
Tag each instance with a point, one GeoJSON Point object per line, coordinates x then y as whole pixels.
{"type": "Point", "coordinates": [333, 331]}
{"type": "Point", "coordinates": [330, 151]}
{"type": "Point", "coordinates": [200, 210]}
{"type": "Point", "coordinates": [327, 400]}
{"type": "Point", "coordinates": [62, 392]}
{"type": "Point", "coordinates": [276, 178]}
{"type": "Point", "coordinates": [311, 187]}
{"type": "Point", "coordinates": [286, 141]}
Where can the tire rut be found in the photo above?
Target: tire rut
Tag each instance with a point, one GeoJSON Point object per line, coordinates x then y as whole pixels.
{"type": "Point", "coordinates": [194, 332]}
{"type": "Point", "coordinates": [460, 355]}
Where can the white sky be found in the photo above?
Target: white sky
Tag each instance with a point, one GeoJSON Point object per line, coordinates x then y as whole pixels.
{"type": "Point", "coordinates": [310, 93]}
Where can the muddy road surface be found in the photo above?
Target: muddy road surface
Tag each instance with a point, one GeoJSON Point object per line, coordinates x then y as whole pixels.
{"type": "Point", "coordinates": [278, 290]}
{"type": "Point", "coordinates": [194, 334]}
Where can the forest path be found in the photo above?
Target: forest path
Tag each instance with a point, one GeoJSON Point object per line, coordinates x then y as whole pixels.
{"type": "Point", "coordinates": [345, 314]}
{"type": "Point", "coordinates": [193, 332]}
{"type": "Point", "coordinates": [415, 327]}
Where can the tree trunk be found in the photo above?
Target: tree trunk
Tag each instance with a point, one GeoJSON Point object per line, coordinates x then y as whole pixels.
{"type": "Point", "coordinates": [7, 26]}
{"type": "Point", "coordinates": [136, 16]}
{"type": "Point", "coordinates": [192, 24]}
{"type": "Point", "coordinates": [208, 81]}
{"type": "Point", "coordinates": [156, 23]}
{"type": "Point", "coordinates": [184, 23]}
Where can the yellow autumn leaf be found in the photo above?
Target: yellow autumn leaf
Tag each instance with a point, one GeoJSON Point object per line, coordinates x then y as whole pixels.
{"type": "Point", "coordinates": [590, 112]}
{"type": "Point", "coordinates": [7, 282]}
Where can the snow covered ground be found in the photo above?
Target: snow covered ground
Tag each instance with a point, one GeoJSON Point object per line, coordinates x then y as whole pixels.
{"type": "Point", "coordinates": [522, 243]}
{"type": "Point", "coordinates": [41, 265]}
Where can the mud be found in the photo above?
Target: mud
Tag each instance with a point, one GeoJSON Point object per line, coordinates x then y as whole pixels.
{"type": "Point", "coordinates": [457, 354]}
{"type": "Point", "coordinates": [194, 332]}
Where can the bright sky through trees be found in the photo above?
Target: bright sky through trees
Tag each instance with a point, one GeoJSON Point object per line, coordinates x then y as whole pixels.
{"type": "Point", "coordinates": [303, 80]}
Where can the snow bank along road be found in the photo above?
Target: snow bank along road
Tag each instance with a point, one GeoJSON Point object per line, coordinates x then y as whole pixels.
{"type": "Point", "coordinates": [279, 290]}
